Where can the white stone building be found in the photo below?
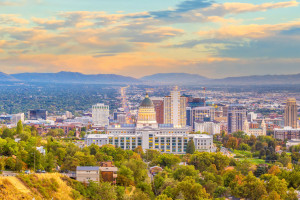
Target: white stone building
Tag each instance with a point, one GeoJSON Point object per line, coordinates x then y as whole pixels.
{"type": "Point", "coordinates": [100, 114]}
{"type": "Point", "coordinates": [208, 127]}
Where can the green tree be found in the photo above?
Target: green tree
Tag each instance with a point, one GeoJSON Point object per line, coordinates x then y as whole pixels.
{"type": "Point", "coordinates": [190, 147]}
{"type": "Point", "coordinates": [192, 190]}
{"type": "Point", "coordinates": [183, 171]}
{"type": "Point", "coordinates": [19, 127]}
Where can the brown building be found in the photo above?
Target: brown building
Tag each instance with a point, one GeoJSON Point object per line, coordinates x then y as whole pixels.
{"type": "Point", "coordinates": [159, 109]}
{"type": "Point", "coordinates": [108, 172]}
{"type": "Point", "coordinates": [291, 113]}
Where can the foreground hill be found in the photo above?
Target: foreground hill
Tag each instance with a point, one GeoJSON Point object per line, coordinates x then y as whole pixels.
{"type": "Point", "coordinates": [74, 77]}
{"type": "Point", "coordinates": [39, 186]}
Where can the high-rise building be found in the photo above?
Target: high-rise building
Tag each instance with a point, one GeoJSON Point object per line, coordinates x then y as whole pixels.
{"type": "Point", "coordinates": [37, 114]}
{"type": "Point", "coordinates": [290, 113]}
{"type": "Point", "coordinates": [201, 114]}
{"type": "Point", "coordinates": [16, 118]}
{"type": "Point", "coordinates": [159, 109]}
{"type": "Point", "coordinates": [175, 109]}
{"type": "Point", "coordinates": [236, 118]}
{"type": "Point", "coordinates": [100, 114]}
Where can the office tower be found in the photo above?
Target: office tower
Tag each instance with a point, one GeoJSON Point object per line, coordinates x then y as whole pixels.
{"type": "Point", "coordinates": [290, 113]}
{"type": "Point", "coordinates": [16, 118]}
{"type": "Point", "coordinates": [236, 118]}
{"type": "Point", "coordinates": [37, 114]}
{"type": "Point", "coordinates": [159, 109]}
{"type": "Point", "coordinates": [100, 114]}
{"type": "Point", "coordinates": [251, 116]}
{"type": "Point", "coordinates": [175, 109]}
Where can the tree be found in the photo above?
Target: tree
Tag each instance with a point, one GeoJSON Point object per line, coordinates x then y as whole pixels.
{"type": "Point", "coordinates": [232, 143]}
{"type": "Point", "coordinates": [183, 171]}
{"type": "Point", "coordinates": [166, 160]}
{"type": "Point", "coordinates": [125, 176]}
{"type": "Point", "coordinates": [151, 154]}
{"type": "Point", "coordinates": [277, 185]}
{"type": "Point", "coordinates": [190, 147]}
{"type": "Point", "coordinates": [163, 197]}
{"type": "Point", "coordinates": [19, 127]}
{"type": "Point", "coordinates": [248, 185]}
{"type": "Point", "coordinates": [192, 190]}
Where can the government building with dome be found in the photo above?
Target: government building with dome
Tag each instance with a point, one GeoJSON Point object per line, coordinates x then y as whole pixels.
{"type": "Point", "coordinates": [148, 134]}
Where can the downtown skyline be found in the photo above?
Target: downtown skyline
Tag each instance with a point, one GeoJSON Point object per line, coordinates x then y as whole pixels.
{"type": "Point", "coordinates": [137, 38]}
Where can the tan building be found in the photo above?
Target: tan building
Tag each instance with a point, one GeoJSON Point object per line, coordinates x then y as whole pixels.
{"type": "Point", "coordinates": [175, 109]}
{"type": "Point", "coordinates": [255, 131]}
{"type": "Point", "coordinates": [87, 173]}
{"type": "Point", "coordinates": [291, 113]}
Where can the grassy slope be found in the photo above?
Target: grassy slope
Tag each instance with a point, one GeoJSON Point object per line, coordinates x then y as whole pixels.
{"type": "Point", "coordinates": [14, 188]}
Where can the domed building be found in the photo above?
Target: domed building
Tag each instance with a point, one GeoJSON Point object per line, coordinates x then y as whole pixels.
{"type": "Point", "coordinates": [148, 134]}
{"type": "Point", "coordinates": [146, 114]}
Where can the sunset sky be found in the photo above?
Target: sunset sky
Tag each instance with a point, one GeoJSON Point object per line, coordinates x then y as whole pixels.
{"type": "Point", "coordinates": [141, 37]}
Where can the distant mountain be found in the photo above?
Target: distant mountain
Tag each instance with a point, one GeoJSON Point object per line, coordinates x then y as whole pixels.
{"type": "Point", "coordinates": [191, 79]}
{"type": "Point", "coordinates": [259, 80]}
{"type": "Point", "coordinates": [5, 77]}
{"type": "Point", "coordinates": [74, 77]}
{"type": "Point", "coordinates": [175, 78]}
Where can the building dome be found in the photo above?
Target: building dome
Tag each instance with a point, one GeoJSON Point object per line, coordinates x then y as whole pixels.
{"type": "Point", "coordinates": [147, 102]}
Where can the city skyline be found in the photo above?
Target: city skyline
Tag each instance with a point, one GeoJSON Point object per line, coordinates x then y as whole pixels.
{"type": "Point", "coordinates": [137, 38]}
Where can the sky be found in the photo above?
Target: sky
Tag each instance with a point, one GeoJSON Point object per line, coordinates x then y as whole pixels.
{"type": "Point", "coordinates": [216, 39]}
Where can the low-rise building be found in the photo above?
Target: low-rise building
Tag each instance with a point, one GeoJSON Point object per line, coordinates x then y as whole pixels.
{"type": "Point", "coordinates": [87, 173]}
{"type": "Point", "coordinates": [287, 133]}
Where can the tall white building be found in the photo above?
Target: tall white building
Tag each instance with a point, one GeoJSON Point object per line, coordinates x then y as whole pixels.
{"type": "Point", "coordinates": [175, 109]}
{"type": "Point", "coordinates": [207, 127]}
{"type": "Point", "coordinates": [16, 118]}
{"type": "Point", "coordinates": [100, 114]}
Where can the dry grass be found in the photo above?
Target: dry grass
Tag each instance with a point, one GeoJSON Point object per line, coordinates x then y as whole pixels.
{"type": "Point", "coordinates": [12, 188]}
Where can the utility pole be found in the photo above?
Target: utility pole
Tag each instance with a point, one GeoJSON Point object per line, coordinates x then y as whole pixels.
{"type": "Point", "coordinates": [34, 162]}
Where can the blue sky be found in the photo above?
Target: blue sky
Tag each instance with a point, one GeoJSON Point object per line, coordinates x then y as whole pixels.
{"type": "Point", "coordinates": [138, 37]}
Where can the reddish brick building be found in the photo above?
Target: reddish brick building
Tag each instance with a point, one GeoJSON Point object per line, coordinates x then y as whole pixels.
{"type": "Point", "coordinates": [159, 109]}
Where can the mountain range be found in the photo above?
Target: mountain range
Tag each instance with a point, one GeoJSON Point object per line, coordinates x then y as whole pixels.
{"type": "Point", "coordinates": [160, 78]}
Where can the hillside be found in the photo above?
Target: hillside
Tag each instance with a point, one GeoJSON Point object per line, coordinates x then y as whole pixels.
{"type": "Point", "coordinates": [74, 77]}
{"type": "Point", "coordinates": [39, 186]}
{"type": "Point", "coordinates": [5, 77]}
{"type": "Point", "coordinates": [192, 79]}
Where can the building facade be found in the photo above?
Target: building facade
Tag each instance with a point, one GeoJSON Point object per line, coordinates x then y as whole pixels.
{"type": "Point", "coordinates": [255, 131]}
{"type": "Point", "coordinates": [175, 109]}
{"type": "Point", "coordinates": [291, 113]}
{"type": "Point", "coordinates": [37, 114]}
{"type": "Point", "coordinates": [287, 133]}
{"type": "Point", "coordinates": [100, 114]}
{"type": "Point", "coordinates": [148, 134]}
{"type": "Point", "coordinates": [159, 109]}
{"type": "Point", "coordinates": [87, 173]}
{"type": "Point", "coordinates": [236, 118]}
{"type": "Point", "coordinates": [207, 127]}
